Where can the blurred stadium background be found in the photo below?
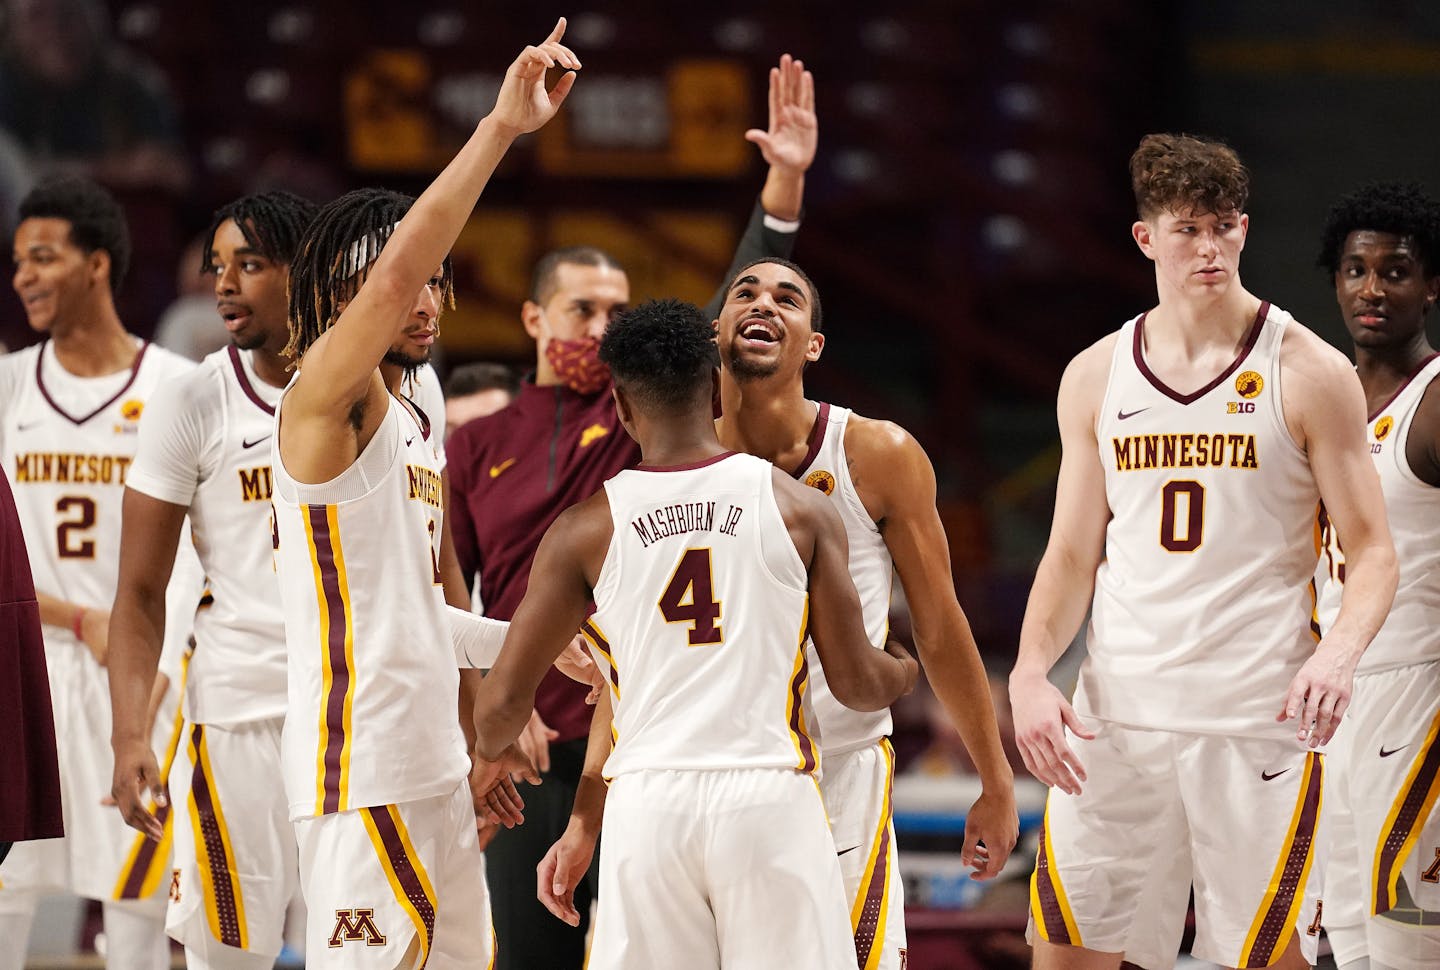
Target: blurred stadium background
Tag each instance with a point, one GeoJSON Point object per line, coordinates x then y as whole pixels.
{"type": "Point", "coordinates": [967, 219]}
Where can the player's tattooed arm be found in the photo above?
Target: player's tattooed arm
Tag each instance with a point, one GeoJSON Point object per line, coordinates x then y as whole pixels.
{"type": "Point", "coordinates": [569, 858]}
{"type": "Point", "coordinates": [1323, 397]}
{"type": "Point", "coordinates": [896, 482]}
{"type": "Point", "coordinates": [1065, 580]}
{"type": "Point", "coordinates": [861, 677]}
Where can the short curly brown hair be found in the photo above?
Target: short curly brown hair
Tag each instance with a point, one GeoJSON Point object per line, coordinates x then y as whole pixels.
{"type": "Point", "coordinates": [1181, 173]}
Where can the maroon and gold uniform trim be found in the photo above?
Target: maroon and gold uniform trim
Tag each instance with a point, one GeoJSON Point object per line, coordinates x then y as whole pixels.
{"type": "Point", "coordinates": [1406, 818]}
{"type": "Point", "coordinates": [1049, 907]}
{"type": "Point", "coordinates": [147, 860]}
{"type": "Point", "coordinates": [215, 853]}
{"type": "Point", "coordinates": [45, 392]}
{"type": "Point", "coordinates": [597, 639]}
{"type": "Point", "coordinates": [403, 868]}
{"type": "Point", "coordinates": [808, 758]}
{"type": "Point", "coordinates": [871, 907]}
{"type": "Point", "coordinates": [337, 647]}
{"type": "Point", "coordinates": [1275, 919]}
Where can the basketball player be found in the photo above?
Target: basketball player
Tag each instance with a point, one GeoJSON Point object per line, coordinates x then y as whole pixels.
{"type": "Point", "coordinates": [1381, 245]}
{"type": "Point", "coordinates": [882, 484]}
{"type": "Point", "coordinates": [1197, 442]}
{"type": "Point", "coordinates": [716, 849]}
{"type": "Point", "coordinates": [70, 411]}
{"type": "Point", "coordinates": [374, 757]}
{"type": "Point", "coordinates": [205, 452]}
{"type": "Point", "coordinates": [515, 471]}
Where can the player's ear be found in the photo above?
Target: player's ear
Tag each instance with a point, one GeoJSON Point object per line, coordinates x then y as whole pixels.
{"type": "Point", "coordinates": [1141, 233]}
{"type": "Point", "coordinates": [622, 407]}
{"type": "Point", "coordinates": [530, 313]}
{"type": "Point", "coordinates": [815, 347]}
{"type": "Point", "coordinates": [99, 265]}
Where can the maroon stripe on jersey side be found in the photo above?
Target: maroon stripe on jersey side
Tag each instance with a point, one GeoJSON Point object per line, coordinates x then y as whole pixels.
{"type": "Point", "coordinates": [1403, 384]}
{"type": "Point", "coordinates": [340, 670]}
{"type": "Point", "coordinates": [144, 858]}
{"type": "Point", "coordinates": [685, 468]}
{"type": "Point", "coordinates": [221, 864]}
{"type": "Point", "coordinates": [593, 632]}
{"type": "Point", "coordinates": [1050, 911]}
{"type": "Point", "coordinates": [45, 392]}
{"type": "Point", "coordinates": [1275, 928]}
{"type": "Point", "coordinates": [817, 438]}
{"type": "Point", "coordinates": [1405, 821]}
{"type": "Point", "coordinates": [869, 922]}
{"type": "Point", "coordinates": [808, 761]}
{"type": "Point", "coordinates": [403, 867]}
{"type": "Point", "coordinates": [244, 381]}
{"type": "Point", "coordinates": [1163, 388]}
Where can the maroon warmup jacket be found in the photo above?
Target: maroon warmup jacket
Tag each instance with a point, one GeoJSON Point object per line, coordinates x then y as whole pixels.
{"type": "Point", "coordinates": [513, 472]}
{"type": "Point", "coordinates": [29, 773]}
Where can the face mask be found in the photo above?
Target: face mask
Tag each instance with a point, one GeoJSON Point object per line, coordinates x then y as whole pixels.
{"type": "Point", "coordinates": [577, 364]}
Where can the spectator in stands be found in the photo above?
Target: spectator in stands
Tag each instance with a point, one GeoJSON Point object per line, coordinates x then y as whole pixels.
{"type": "Point", "coordinates": [475, 390]}
{"type": "Point", "coordinates": [77, 101]}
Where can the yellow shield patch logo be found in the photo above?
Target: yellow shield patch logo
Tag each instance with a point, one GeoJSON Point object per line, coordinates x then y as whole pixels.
{"type": "Point", "coordinates": [1249, 384]}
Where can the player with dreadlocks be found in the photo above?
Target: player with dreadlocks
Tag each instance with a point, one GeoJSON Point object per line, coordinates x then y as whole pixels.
{"type": "Point", "coordinates": [1381, 248]}
{"type": "Point", "coordinates": [373, 754]}
{"type": "Point", "coordinates": [199, 456]}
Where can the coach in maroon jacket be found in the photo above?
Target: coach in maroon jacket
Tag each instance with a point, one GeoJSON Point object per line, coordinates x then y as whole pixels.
{"type": "Point", "coordinates": [512, 473]}
{"type": "Point", "coordinates": [29, 773]}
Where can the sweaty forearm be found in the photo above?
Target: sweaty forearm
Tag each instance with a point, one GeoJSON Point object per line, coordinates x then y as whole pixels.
{"type": "Point", "coordinates": [957, 675]}
{"type": "Point", "coordinates": [1370, 579]}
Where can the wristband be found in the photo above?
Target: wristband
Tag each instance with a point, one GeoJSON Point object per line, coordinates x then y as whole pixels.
{"type": "Point", "coordinates": [76, 623]}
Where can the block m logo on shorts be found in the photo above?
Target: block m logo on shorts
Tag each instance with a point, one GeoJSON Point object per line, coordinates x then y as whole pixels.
{"type": "Point", "coordinates": [354, 926]}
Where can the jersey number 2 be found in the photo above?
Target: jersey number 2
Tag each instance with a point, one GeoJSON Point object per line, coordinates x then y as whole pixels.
{"type": "Point", "coordinates": [689, 597]}
{"type": "Point", "coordinates": [1176, 534]}
{"type": "Point", "coordinates": [67, 544]}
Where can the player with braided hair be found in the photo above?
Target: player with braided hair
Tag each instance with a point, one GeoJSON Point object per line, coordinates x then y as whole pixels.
{"type": "Point", "coordinates": [204, 452]}
{"type": "Point", "coordinates": [373, 754]}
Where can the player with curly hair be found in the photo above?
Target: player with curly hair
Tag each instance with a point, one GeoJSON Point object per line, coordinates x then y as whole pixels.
{"type": "Point", "coordinates": [1197, 442]}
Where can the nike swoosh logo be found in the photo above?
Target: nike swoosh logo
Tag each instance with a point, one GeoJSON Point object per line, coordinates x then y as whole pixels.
{"type": "Point", "coordinates": [1271, 776]}
{"type": "Point", "coordinates": [1386, 754]}
{"type": "Point", "coordinates": [28, 425]}
{"type": "Point", "coordinates": [1130, 414]}
{"type": "Point", "coordinates": [851, 849]}
{"type": "Point", "coordinates": [497, 470]}
{"type": "Point", "coordinates": [247, 443]}
{"type": "Point", "coordinates": [409, 440]}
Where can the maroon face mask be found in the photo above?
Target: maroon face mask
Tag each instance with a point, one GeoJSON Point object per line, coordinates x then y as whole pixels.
{"type": "Point", "coordinates": [577, 364]}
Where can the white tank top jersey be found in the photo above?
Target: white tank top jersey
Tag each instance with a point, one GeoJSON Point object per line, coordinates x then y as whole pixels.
{"type": "Point", "coordinates": [68, 445]}
{"type": "Point", "coordinates": [825, 468]}
{"type": "Point", "coordinates": [700, 621]}
{"type": "Point", "coordinates": [373, 715]}
{"type": "Point", "coordinates": [1411, 633]}
{"type": "Point", "coordinates": [205, 444]}
{"type": "Point", "coordinates": [1204, 603]}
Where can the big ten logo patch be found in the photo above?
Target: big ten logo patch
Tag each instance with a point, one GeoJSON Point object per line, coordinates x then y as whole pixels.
{"type": "Point", "coordinates": [1249, 385]}
{"type": "Point", "coordinates": [822, 480]}
{"type": "Point", "coordinates": [174, 885]}
{"type": "Point", "coordinates": [355, 926]}
{"type": "Point", "coordinates": [130, 416]}
{"type": "Point", "coordinates": [1239, 407]}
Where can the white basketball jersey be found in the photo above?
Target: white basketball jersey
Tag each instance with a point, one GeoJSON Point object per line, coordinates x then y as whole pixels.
{"type": "Point", "coordinates": [225, 415]}
{"type": "Point", "coordinates": [1411, 633]}
{"type": "Point", "coordinates": [825, 468]}
{"type": "Point", "coordinates": [373, 714]}
{"type": "Point", "coordinates": [700, 621]}
{"type": "Point", "coordinates": [68, 443]}
{"type": "Point", "coordinates": [1203, 604]}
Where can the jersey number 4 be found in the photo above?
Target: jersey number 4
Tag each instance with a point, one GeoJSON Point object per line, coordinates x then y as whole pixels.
{"type": "Point", "coordinates": [689, 597]}
{"type": "Point", "coordinates": [1182, 532]}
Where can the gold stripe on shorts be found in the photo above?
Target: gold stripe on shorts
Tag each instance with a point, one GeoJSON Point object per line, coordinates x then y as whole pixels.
{"type": "Point", "coordinates": [406, 873]}
{"type": "Point", "coordinates": [1275, 919]}
{"type": "Point", "coordinates": [214, 850]}
{"type": "Point", "coordinates": [1407, 816]}
{"type": "Point", "coordinates": [1054, 920]}
{"type": "Point", "coordinates": [871, 908]}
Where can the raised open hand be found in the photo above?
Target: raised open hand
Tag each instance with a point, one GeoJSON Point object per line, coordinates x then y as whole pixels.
{"type": "Point", "coordinates": [790, 141]}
